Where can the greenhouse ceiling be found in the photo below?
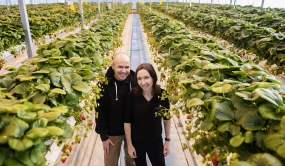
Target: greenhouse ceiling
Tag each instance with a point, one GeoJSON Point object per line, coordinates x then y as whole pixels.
{"type": "Point", "coordinates": [267, 3]}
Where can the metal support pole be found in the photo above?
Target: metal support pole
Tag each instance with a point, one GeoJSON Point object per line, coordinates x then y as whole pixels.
{"type": "Point", "coordinates": [211, 1]}
{"type": "Point", "coordinates": [98, 2]}
{"type": "Point", "coordinates": [150, 6]}
{"type": "Point", "coordinates": [26, 27]}
{"type": "Point", "coordinates": [235, 4]}
{"type": "Point", "coordinates": [81, 13]}
{"type": "Point", "coordinates": [231, 2]}
{"type": "Point", "coordinates": [262, 3]}
{"type": "Point", "coordinates": [166, 5]}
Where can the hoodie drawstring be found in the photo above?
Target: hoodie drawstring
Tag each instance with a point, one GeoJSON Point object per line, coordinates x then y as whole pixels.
{"type": "Point", "coordinates": [117, 89]}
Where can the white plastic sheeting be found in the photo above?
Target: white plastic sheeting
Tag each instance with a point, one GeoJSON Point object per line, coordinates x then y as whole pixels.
{"type": "Point", "coordinates": [267, 3]}
{"type": "Point", "coordinates": [15, 2]}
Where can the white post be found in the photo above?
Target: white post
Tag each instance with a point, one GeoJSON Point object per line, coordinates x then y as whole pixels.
{"type": "Point", "coordinates": [166, 5]}
{"type": "Point", "coordinates": [98, 1]}
{"type": "Point", "coordinates": [81, 13]}
{"type": "Point", "coordinates": [262, 3]}
{"type": "Point", "coordinates": [26, 27]}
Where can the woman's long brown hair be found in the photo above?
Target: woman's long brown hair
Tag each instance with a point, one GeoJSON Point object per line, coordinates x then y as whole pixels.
{"type": "Point", "coordinates": [155, 88]}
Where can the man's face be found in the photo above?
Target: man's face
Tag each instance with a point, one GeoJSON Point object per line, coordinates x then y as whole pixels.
{"type": "Point", "coordinates": [121, 67]}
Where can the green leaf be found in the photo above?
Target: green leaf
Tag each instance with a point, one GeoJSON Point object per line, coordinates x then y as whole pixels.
{"type": "Point", "coordinates": [38, 154]}
{"type": "Point", "coordinates": [58, 91]}
{"type": "Point", "coordinates": [61, 109]}
{"type": "Point", "coordinates": [251, 121]}
{"type": "Point", "coordinates": [20, 145]}
{"type": "Point", "coordinates": [269, 111]}
{"type": "Point", "coordinates": [39, 98]}
{"type": "Point", "coordinates": [282, 123]}
{"type": "Point", "coordinates": [281, 151]}
{"type": "Point", "coordinates": [172, 62]}
{"type": "Point", "coordinates": [234, 129]}
{"type": "Point", "coordinates": [50, 115]}
{"type": "Point", "coordinates": [69, 80]}
{"type": "Point", "coordinates": [219, 87]}
{"type": "Point", "coordinates": [224, 126]}
{"type": "Point", "coordinates": [30, 106]}
{"type": "Point", "coordinates": [4, 152]}
{"type": "Point", "coordinates": [68, 131]}
{"type": "Point", "coordinates": [270, 95]}
{"type": "Point", "coordinates": [206, 125]}
{"type": "Point", "coordinates": [262, 159]}
{"type": "Point", "coordinates": [24, 157]}
{"type": "Point", "coordinates": [72, 99]}
{"type": "Point", "coordinates": [198, 85]}
{"type": "Point", "coordinates": [42, 107]}
{"type": "Point", "coordinates": [43, 87]}
{"type": "Point", "coordinates": [22, 89]}
{"type": "Point", "coordinates": [82, 87]}
{"type": "Point", "coordinates": [15, 108]}
{"type": "Point", "coordinates": [274, 141]}
{"type": "Point", "coordinates": [55, 131]}
{"type": "Point", "coordinates": [194, 102]}
{"type": "Point", "coordinates": [27, 78]}
{"type": "Point", "coordinates": [236, 140]}
{"type": "Point", "coordinates": [248, 137]}
{"type": "Point", "coordinates": [12, 162]}
{"type": "Point", "coordinates": [224, 111]}
{"type": "Point", "coordinates": [241, 163]}
{"type": "Point", "coordinates": [36, 133]}
{"type": "Point", "coordinates": [55, 79]}
{"type": "Point", "coordinates": [42, 122]}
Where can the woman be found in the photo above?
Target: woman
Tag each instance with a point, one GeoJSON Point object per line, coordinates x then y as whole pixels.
{"type": "Point", "coordinates": [143, 128]}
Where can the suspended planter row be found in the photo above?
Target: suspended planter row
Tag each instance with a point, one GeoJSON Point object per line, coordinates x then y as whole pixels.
{"type": "Point", "coordinates": [38, 98]}
{"type": "Point", "coordinates": [44, 19]}
{"type": "Point", "coordinates": [236, 111]}
{"type": "Point", "coordinates": [266, 43]}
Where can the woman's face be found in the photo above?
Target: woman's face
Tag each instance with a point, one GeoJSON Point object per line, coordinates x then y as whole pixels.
{"type": "Point", "coordinates": [145, 81]}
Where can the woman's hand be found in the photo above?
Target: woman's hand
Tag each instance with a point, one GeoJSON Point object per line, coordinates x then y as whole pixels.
{"type": "Point", "coordinates": [132, 151]}
{"type": "Point", "coordinates": [166, 148]}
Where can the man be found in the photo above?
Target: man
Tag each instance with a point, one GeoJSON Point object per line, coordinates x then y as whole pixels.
{"type": "Point", "coordinates": [111, 108]}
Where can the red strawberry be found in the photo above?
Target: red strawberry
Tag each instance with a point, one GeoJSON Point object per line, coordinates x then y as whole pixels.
{"type": "Point", "coordinates": [69, 148]}
{"type": "Point", "coordinates": [90, 123]}
{"type": "Point", "coordinates": [215, 162]}
{"type": "Point", "coordinates": [189, 116]}
{"type": "Point", "coordinates": [82, 117]}
{"type": "Point", "coordinates": [63, 158]}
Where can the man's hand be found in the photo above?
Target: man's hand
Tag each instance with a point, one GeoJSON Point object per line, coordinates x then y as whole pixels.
{"type": "Point", "coordinates": [106, 145]}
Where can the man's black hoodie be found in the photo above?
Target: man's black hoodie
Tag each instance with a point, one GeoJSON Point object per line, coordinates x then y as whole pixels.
{"type": "Point", "coordinates": [111, 106]}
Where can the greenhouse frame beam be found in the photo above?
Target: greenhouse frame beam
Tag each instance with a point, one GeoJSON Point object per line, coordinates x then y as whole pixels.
{"type": "Point", "coordinates": [262, 3]}
{"type": "Point", "coordinates": [26, 27]}
{"type": "Point", "coordinates": [81, 13]}
{"type": "Point", "coordinates": [98, 2]}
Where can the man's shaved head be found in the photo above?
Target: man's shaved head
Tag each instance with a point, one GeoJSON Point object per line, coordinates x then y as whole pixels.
{"type": "Point", "coordinates": [121, 66]}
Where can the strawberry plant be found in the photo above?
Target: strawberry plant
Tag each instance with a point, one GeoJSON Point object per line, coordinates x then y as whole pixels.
{"type": "Point", "coordinates": [39, 97]}
{"type": "Point", "coordinates": [237, 107]}
{"type": "Point", "coordinates": [266, 42]}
